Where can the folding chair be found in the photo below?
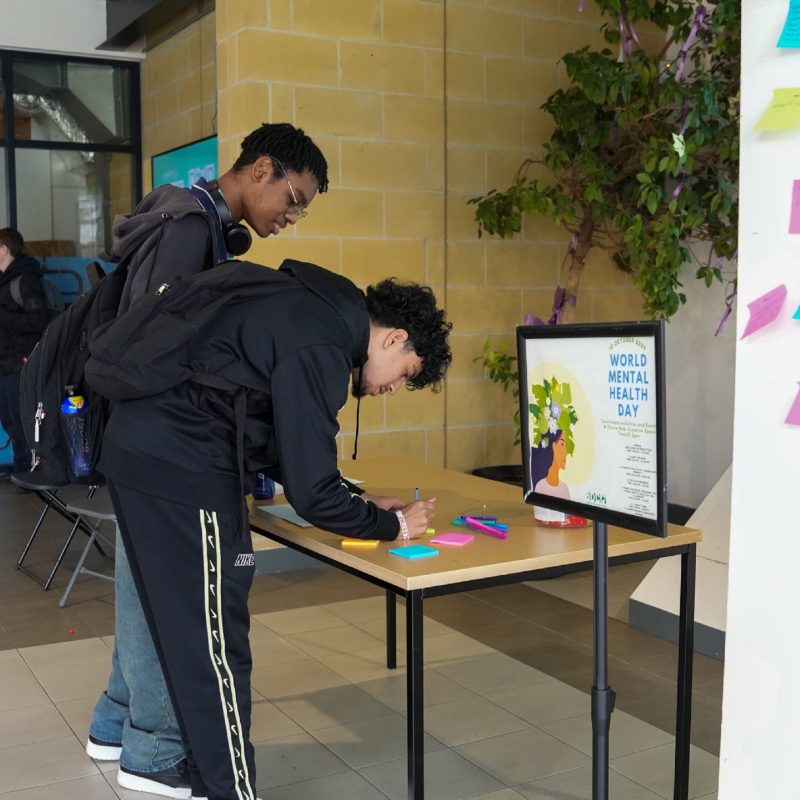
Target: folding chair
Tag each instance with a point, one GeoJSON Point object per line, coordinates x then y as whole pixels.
{"type": "Point", "coordinates": [98, 508]}
{"type": "Point", "coordinates": [48, 494]}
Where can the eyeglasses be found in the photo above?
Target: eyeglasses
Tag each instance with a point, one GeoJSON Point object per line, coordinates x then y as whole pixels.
{"type": "Point", "coordinates": [296, 209]}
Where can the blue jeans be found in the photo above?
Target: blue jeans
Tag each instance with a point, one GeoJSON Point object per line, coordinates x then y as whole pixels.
{"type": "Point", "coordinates": [136, 709]}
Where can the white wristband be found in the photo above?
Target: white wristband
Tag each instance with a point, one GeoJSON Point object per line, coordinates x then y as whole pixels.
{"type": "Point", "coordinates": [403, 526]}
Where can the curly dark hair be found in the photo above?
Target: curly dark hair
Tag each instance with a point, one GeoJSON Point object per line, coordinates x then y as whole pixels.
{"type": "Point", "coordinates": [289, 145]}
{"type": "Point", "coordinates": [413, 308]}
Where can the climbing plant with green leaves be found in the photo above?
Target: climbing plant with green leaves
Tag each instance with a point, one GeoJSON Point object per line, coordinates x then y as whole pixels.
{"type": "Point", "coordinates": [643, 160]}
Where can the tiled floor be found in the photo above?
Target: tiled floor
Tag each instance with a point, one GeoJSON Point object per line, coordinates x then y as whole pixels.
{"type": "Point", "coordinates": [507, 672]}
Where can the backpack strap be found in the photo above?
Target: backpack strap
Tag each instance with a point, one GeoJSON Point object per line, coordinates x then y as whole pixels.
{"type": "Point", "coordinates": [16, 291]}
{"type": "Point", "coordinates": [240, 412]}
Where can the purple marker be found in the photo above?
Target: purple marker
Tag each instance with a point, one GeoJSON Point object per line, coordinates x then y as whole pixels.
{"type": "Point", "coordinates": [476, 525]}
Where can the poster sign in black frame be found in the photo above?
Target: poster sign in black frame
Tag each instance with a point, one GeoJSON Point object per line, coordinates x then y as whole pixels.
{"type": "Point", "coordinates": [634, 384]}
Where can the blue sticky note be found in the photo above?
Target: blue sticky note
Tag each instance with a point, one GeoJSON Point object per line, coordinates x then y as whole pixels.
{"type": "Point", "coordinates": [790, 36]}
{"type": "Point", "coordinates": [796, 314]}
{"type": "Point", "coordinates": [414, 551]}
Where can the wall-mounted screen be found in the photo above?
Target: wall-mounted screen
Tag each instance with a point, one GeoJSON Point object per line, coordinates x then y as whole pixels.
{"type": "Point", "coordinates": [185, 165]}
{"type": "Point", "coordinates": [593, 421]}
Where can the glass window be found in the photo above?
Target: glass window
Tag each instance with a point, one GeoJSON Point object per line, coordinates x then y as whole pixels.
{"type": "Point", "coordinates": [68, 101]}
{"type": "Point", "coordinates": [67, 198]}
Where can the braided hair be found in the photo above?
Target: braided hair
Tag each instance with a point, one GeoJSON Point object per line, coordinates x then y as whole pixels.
{"type": "Point", "coordinates": [289, 145]}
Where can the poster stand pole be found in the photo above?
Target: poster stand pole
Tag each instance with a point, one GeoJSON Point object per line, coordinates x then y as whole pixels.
{"type": "Point", "coordinates": [602, 695]}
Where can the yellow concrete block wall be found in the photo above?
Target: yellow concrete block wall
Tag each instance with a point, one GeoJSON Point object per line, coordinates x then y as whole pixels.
{"type": "Point", "coordinates": [179, 87]}
{"type": "Point", "coordinates": [501, 66]}
{"type": "Point", "coordinates": [364, 78]}
{"type": "Point", "coordinates": [418, 105]}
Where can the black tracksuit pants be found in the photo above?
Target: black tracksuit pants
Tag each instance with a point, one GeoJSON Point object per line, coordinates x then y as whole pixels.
{"type": "Point", "coordinates": [193, 569]}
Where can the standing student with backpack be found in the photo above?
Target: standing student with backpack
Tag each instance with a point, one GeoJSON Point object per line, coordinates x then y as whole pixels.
{"type": "Point", "coordinates": [23, 317]}
{"type": "Point", "coordinates": [275, 177]}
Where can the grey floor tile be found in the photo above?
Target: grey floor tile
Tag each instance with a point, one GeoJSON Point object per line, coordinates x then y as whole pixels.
{"type": "Point", "coordinates": [467, 720]}
{"type": "Point", "coordinates": [366, 665]}
{"type": "Point", "coordinates": [448, 776]}
{"type": "Point", "coordinates": [392, 690]}
{"type": "Point", "coordinates": [78, 714]}
{"type": "Point", "coordinates": [68, 670]}
{"type": "Point", "coordinates": [371, 741]}
{"type": "Point", "coordinates": [489, 672]}
{"type": "Point", "coordinates": [297, 620]}
{"type": "Point", "coordinates": [31, 724]}
{"type": "Point", "coordinates": [521, 757]}
{"type": "Point", "coordinates": [94, 787]}
{"type": "Point", "coordinates": [654, 769]}
{"type": "Point", "coordinates": [269, 648]}
{"type": "Point", "coordinates": [23, 766]}
{"type": "Point", "coordinates": [334, 706]}
{"type": "Point", "coordinates": [331, 642]}
{"type": "Point", "coordinates": [452, 645]}
{"type": "Point", "coordinates": [294, 759]}
{"type": "Point", "coordinates": [627, 735]}
{"type": "Point", "coordinates": [19, 686]}
{"type": "Point", "coordinates": [577, 785]}
{"type": "Point", "coordinates": [281, 681]}
{"type": "Point", "coordinates": [345, 786]}
{"type": "Point", "coordinates": [269, 722]}
{"type": "Point", "coordinates": [543, 702]}
{"type": "Point", "coordinates": [502, 794]}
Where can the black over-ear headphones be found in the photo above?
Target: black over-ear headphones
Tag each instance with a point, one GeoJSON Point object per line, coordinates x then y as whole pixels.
{"type": "Point", "coordinates": [237, 237]}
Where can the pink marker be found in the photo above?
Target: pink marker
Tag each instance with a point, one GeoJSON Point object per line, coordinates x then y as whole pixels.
{"type": "Point", "coordinates": [476, 525]}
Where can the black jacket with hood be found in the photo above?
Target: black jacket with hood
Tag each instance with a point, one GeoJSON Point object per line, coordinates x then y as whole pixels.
{"type": "Point", "coordinates": [21, 326]}
{"type": "Point", "coordinates": [293, 351]}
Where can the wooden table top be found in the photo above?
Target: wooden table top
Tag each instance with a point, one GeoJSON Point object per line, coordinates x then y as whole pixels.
{"type": "Point", "coordinates": [528, 546]}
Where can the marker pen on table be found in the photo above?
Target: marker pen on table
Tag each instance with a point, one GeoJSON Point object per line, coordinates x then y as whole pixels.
{"type": "Point", "coordinates": [416, 493]}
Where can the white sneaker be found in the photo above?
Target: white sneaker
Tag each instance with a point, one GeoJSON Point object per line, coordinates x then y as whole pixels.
{"type": "Point", "coordinates": [102, 751]}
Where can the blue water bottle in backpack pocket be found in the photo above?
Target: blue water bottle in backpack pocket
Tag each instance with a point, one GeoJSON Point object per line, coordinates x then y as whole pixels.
{"type": "Point", "coordinates": [73, 411]}
{"type": "Point", "coordinates": [264, 487]}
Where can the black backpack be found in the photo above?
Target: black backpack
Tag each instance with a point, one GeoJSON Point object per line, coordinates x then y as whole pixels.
{"type": "Point", "coordinates": [59, 358]}
{"type": "Point", "coordinates": [58, 361]}
{"type": "Point", "coordinates": [147, 350]}
{"type": "Point", "coordinates": [53, 298]}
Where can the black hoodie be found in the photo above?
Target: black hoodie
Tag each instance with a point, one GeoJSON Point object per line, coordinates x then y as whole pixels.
{"type": "Point", "coordinates": [21, 326]}
{"type": "Point", "coordinates": [294, 352]}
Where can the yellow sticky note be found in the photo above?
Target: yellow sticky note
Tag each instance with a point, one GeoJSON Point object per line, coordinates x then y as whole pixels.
{"type": "Point", "coordinates": [361, 544]}
{"type": "Point", "coordinates": [783, 113]}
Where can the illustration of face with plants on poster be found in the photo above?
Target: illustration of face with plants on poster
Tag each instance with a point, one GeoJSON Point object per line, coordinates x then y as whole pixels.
{"type": "Point", "coordinates": [552, 417]}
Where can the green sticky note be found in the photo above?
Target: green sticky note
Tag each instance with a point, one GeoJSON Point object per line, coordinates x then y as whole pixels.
{"type": "Point", "coordinates": [783, 113]}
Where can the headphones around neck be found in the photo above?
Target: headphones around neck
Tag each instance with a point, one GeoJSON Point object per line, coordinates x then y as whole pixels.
{"type": "Point", "coordinates": [237, 237]}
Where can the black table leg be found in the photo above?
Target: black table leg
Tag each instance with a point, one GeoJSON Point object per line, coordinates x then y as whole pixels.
{"type": "Point", "coordinates": [683, 720]}
{"type": "Point", "coordinates": [391, 629]}
{"type": "Point", "coordinates": [414, 707]}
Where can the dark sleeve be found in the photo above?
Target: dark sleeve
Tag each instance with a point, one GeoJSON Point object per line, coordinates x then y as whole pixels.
{"type": "Point", "coordinates": [33, 315]}
{"type": "Point", "coordinates": [307, 391]}
{"type": "Point", "coordinates": [184, 249]}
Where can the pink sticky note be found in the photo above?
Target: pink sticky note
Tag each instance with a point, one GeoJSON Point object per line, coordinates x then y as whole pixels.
{"type": "Point", "coordinates": [793, 417]}
{"type": "Point", "coordinates": [794, 216]}
{"type": "Point", "coordinates": [765, 309]}
{"type": "Point", "coordinates": [454, 539]}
